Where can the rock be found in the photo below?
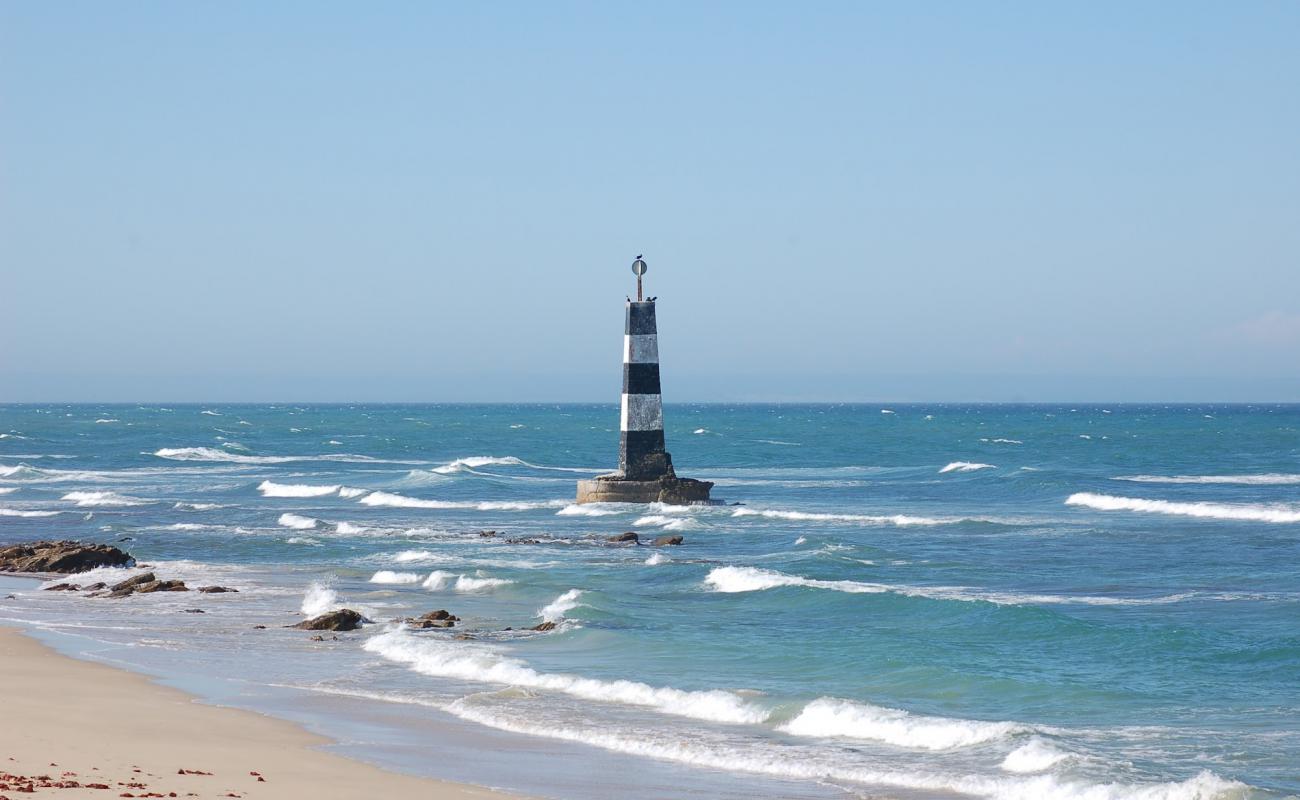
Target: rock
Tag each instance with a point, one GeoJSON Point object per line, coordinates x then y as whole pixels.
{"type": "Point", "coordinates": [486, 534]}
{"type": "Point", "coordinates": [95, 587]}
{"type": "Point", "coordinates": [545, 626]}
{"type": "Point", "coordinates": [463, 637]}
{"type": "Point", "coordinates": [523, 541]}
{"type": "Point", "coordinates": [345, 619]}
{"type": "Point", "coordinates": [61, 556]}
{"type": "Point", "coordinates": [625, 537]}
{"type": "Point", "coordinates": [128, 586]}
{"type": "Point", "coordinates": [668, 540]}
{"type": "Point", "coordinates": [11, 597]}
{"type": "Point", "coordinates": [63, 587]}
{"type": "Point", "coordinates": [434, 619]}
{"type": "Point", "coordinates": [195, 611]}
{"type": "Point", "coordinates": [162, 586]}
{"type": "Point", "coordinates": [216, 589]}
{"type": "Point", "coordinates": [259, 627]}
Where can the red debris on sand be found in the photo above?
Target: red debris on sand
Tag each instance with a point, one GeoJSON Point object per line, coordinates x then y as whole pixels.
{"type": "Point", "coordinates": [191, 772]}
{"type": "Point", "coordinates": [96, 786]}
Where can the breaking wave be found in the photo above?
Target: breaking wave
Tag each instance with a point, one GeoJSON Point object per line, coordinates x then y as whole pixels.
{"type": "Point", "coordinates": [105, 499]}
{"type": "Point", "coordinates": [213, 454]}
{"type": "Point", "coordinates": [319, 599]}
{"type": "Point", "coordinates": [474, 462]}
{"type": "Point", "coordinates": [440, 581]}
{"type": "Point", "coordinates": [1226, 511]}
{"type": "Point", "coordinates": [827, 716]}
{"type": "Point", "coordinates": [965, 466]}
{"type": "Point", "coordinates": [1035, 755]}
{"type": "Point", "coordinates": [667, 523]}
{"type": "Point", "coordinates": [793, 762]}
{"type": "Point", "coordinates": [484, 664]}
{"type": "Point", "coordinates": [18, 512]}
{"type": "Point", "coordinates": [555, 610]}
{"type": "Point", "coordinates": [297, 522]}
{"type": "Point", "coordinates": [868, 519]}
{"type": "Point", "coordinates": [389, 577]}
{"type": "Point", "coordinates": [1266, 479]}
{"type": "Point", "coordinates": [390, 500]}
{"type": "Point", "coordinates": [270, 489]}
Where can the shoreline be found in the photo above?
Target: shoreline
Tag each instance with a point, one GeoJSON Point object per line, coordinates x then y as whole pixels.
{"type": "Point", "coordinates": [83, 722]}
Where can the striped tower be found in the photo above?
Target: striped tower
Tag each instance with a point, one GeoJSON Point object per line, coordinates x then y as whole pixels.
{"type": "Point", "coordinates": [641, 452]}
{"type": "Point", "coordinates": [645, 469]}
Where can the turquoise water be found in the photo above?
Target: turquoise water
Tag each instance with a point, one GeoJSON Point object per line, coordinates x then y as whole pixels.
{"type": "Point", "coordinates": [916, 601]}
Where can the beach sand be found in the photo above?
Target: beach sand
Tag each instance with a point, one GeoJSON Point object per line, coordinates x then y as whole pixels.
{"type": "Point", "coordinates": [86, 723]}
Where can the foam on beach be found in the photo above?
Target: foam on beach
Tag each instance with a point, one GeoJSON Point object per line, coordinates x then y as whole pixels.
{"type": "Point", "coordinates": [831, 717]}
{"type": "Point", "coordinates": [485, 664]}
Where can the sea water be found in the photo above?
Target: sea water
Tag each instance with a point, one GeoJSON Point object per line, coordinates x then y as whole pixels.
{"type": "Point", "coordinates": [911, 601]}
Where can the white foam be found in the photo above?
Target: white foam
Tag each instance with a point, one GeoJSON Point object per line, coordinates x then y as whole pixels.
{"type": "Point", "coordinates": [211, 413]}
{"type": "Point", "coordinates": [801, 540]}
{"type": "Point", "coordinates": [1002, 441]}
{"type": "Point", "coordinates": [104, 499]}
{"type": "Point", "coordinates": [1227, 511]}
{"type": "Point", "coordinates": [788, 762]}
{"type": "Point", "coordinates": [270, 489]}
{"type": "Point", "coordinates": [830, 717]}
{"type": "Point", "coordinates": [196, 506]}
{"type": "Point", "coordinates": [390, 577]}
{"type": "Point", "coordinates": [590, 510]}
{"type": "Point", "coordinates": [390, 500]}
{"type": "Point", "coordinates": [349, 492]}
{"type": "Point", "coordinates": [1035, 755]}
{"type": "Point", "coordinates": [213, 454]}
{"type": "Point", "coordinates": [18, 512]}
{"type": "Point", "coordinates": [473, 462]}
{"type": "Point", "coordinates": [700, 431]}
{"type": "Point", "coordinates": [302, 540]}
{"type": "Point", "coordinates": [667, 522]}
{"type": "Point", "coordinates": [319, 599]}
{"type": "Point", "coordinates": [439, 581]}
{"type": "Point", "coordinates": [1266, 479]}
{"type": "Point", "coordinates": [812, 516]}
{"type": "Point", "coordinates": [297, 522]}
{"type": "Point", "coordinates": [656, 559]}
{"type": "Point", "coordinates": [753, 579]}
{"type": "Point", "coordinates": [348, 529]}
{"type": "Point", "coordinates": [965, 466]}
{"type": "Point", "coordinates": [8, 489]}
{"type": "Point", "coordinates": [106, 421]}
{"type": "Point", "coordinates": [485, 664]}
{"type": "Point", "coordinates": [555, 610]}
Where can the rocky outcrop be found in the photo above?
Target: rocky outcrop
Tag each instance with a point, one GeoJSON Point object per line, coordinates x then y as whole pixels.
{"type": "Point", "coordinates": [145, 584]}
{"type": "Point", "coordinates": [63, 587]}
{"type": "Point", "coordinates": [624, 538]}
{"type": "Point", "coordinates": [545, 626]}
{"type": "Point", "coordinates": [61, 556]}
{"type": "Point", "coordinates": [668, 540]}
{"type": "Point", "coordinates": [345, 619]}
{"type": "Point", "coordinates": [216, 589]}
{"type": "Point", "coordinates": [434, 619]}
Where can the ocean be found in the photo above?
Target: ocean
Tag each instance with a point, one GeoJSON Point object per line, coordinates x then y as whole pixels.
{"type": "Point", "coordinates": [909, 601]}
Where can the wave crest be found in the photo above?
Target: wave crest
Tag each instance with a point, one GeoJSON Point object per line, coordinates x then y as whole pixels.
{"type": "Point", "coordinates": [1225, 511]}
{"type": "Point", "coordinates": [827, 716]}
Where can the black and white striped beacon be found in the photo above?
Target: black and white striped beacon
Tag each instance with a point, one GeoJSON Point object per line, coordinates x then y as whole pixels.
{"type": "Point", "coordinates": [645, 468]}
{"type": "Point", "coordinates": [641, 451]}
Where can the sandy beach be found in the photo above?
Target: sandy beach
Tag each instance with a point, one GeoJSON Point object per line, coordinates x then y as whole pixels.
{"type": "Point", "coordinates": [77, 729]}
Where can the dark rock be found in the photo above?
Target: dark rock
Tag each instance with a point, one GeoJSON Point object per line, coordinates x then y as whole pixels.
{"type": "Point", "coordinates": [259, 627]}
{"type": "Point", "coordinates": [668, 540]}
{"type": "Point", "coordinates": [63, 587]}
{"type": "Point", "coordinates": [127, 539]}
{"type": "Point", "coordinates": [162, 586]}
{"type": "Point", "coordinates": [486, 534]}
{"type": "Point", "coordinates": [195, 611]}
{"type": "Point", "coordinates": [434, 619]}
{"type": "Point", "coordinates": [545, 626]}
{"type": "Point", "coordinates": [11, 597]}
{"type": "Point", "coordinates": [61, 556]}
{"type": "Point", "coordinates": [625, 537]}
{"type": "Point", "coordinates": [216, 589]}
{"type": "Point", "coordinates": [318, 638]}
{"type": "Point", "coordinates": [345, 619]}
{"type": "Point", "coordinates": [131, 583]}
{"type": "Point", "coordinates": [463, 637]}
{"type": "Point", "coordinates": [523, 541]}
{"type": "Point", "coordinates": [683, 491]}
{"type": "Point", "coordinates": [95, 587]}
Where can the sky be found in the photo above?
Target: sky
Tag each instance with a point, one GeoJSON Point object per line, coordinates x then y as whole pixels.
{"type": "Point", "coordinates": [419, 201]}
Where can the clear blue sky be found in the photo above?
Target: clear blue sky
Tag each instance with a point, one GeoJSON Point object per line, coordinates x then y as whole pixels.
{"type": "Point", "coordinates": [858, 201]}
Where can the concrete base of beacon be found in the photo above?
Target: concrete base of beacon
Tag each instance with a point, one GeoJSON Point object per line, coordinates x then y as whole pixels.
{"type": "Point", "coordinates": [668, 490]}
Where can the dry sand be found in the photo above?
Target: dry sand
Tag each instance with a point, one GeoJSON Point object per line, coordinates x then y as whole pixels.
{"type": "Point", "coordinates": [86, 723]}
